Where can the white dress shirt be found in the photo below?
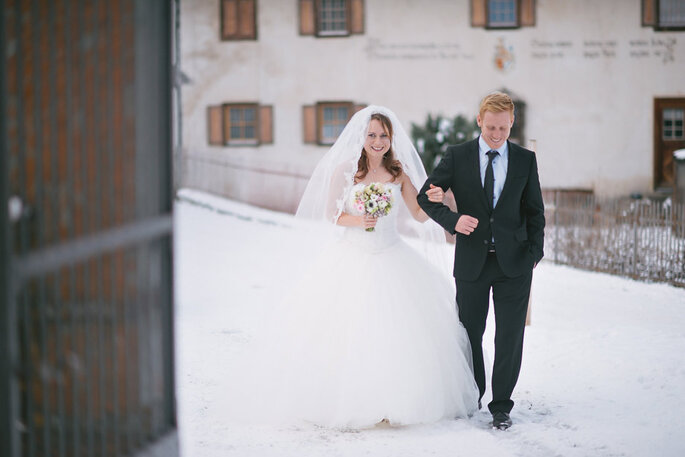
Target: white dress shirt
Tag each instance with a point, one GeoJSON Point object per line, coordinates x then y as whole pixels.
{"type": "Point", "coordinates": [499, 165]}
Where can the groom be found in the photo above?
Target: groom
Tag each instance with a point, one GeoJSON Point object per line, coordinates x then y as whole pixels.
{"type": "Point", "coordinates": [499, 225]}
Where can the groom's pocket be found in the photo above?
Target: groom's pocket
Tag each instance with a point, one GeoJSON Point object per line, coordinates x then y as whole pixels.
{"type": "Point", "coordinates": [521, 235]}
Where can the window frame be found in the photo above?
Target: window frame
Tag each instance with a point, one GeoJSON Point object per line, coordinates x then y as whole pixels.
{"type": "Point", "coordinates": [525, 10]}
{"type": "Point", "coordinates": [650, 10]}
{"type": "Point", "coordinates": [228, 124]}
{"type": "Point", "coordinates": [673, 128]}
{"type": "Point", "coordinates": [658, 26]}
{"type": "Point", "coordinates": [318, 9]}
{"type": "Point", "coordinates": [320, 107]}
{"type": "Point", "coordinates": [219, 124]}
{"type": "Point", "coordinates": [517, 17]}
{"type": "Point", "coordinates": [309, 12]}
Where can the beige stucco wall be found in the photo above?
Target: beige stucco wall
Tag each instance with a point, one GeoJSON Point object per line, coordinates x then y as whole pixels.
{"type": "Point", "coordinates": [588, 72]}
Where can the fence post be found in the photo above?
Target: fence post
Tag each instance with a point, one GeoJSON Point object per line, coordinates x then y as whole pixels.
{"type": "Point", "coordinates": [556, 227]}
{"type": "Point", "coordinates": [636, 220]}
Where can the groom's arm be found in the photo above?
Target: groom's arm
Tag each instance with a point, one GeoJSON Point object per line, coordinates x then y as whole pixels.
{"type": "Point", "coordinates": [535, 212]}
{"type": "Point", "coordinates": [442, 176]}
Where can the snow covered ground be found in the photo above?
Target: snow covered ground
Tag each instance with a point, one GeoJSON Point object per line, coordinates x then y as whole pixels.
{"type": "Point", "coordinates": [603, 371]}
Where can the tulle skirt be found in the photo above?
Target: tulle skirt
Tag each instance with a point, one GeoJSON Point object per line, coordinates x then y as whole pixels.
{"type": "Point", "coordinates": [364, 335]}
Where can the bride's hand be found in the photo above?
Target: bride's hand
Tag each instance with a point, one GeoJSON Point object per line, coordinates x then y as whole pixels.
{"type": "Point", "coordinates": [368, 221]}
{"type": "Point", "coordinates": [435, 194]}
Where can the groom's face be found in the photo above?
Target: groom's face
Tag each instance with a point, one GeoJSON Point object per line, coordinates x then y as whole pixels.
{"type": "Point", "coordinates": [495, 127]}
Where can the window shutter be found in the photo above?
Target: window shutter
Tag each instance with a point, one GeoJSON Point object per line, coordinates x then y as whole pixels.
{"type": "Point", "coordinates": [247, 19]}
{"type": "Point", "coordinates": [358, 108]}
{"type": "Point", "coordinates": [266, 133]}
{"type": "Point", "coordinates": [478, 13]}
{"type": "Point", "coordinates": [226, 111]}
{"type": "Point", "coordinates": [214, 125]}
{"type": "Point", "coordinates": [527, 13]}
{"type": "Point", "coordinates": [238, 19]}
{"type": "Point", "coordinates": [229, 19]}
{"type": "Point", "coordinates": [356, 16]}
{"type": "Point", "coordinates": [309, 123]}
{"type": "Point", "coordinates": [648, 12]}
{"type": "Point", "coordinates": [307, 17]}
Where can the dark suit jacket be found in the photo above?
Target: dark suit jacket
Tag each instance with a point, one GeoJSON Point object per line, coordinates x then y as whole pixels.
{"type": "Point", "coordinates": [517, 222]}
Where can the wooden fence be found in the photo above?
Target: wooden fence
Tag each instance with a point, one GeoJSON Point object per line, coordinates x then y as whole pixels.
{"type": "Point", "coordinates": [643, 239]}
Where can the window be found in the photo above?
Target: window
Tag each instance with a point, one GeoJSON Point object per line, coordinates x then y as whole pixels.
{"type": "Point", "coordinates": [664, 14]}
{"type": "Point", "coordinates": [502, 13]}
{"type": "Point", "coordinates": [498, 14]}
{"type": "Point", "coordinates": [673, 124]}
{"type": "Point", "coordinates": [324, 121]}
{"type": "Point", "coordinates": [238, 20]}
{"type": "Point", "coordinates": [517, 134]}
{"type": "Point", "coordinates": [332, 120]}
{"type": "Point", "coordinates": [331, 18]}
{"type": "Point", "coordinates": [239, 124]}
{"type": "Point", "coordinates": [669, 115]}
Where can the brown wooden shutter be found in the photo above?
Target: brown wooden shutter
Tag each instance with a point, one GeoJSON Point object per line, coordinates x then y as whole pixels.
{"type": "Point", "coordinates": [214, 125]}
{"type": "Point", "coordinates": [307, 17]}
{"type": "Point", "coordinates": [478, 13]}
{"type": "Point", "coordinates": [356, 16]}
{"type": "Point", "coordinates": [358, 108]}
{"type": "Point", "coordinates": [226, 111]}
{"type": "Point", "coordinates": [247, 17]}
{"type": "Point", "coordinates": [309, 123]}
{"type": "Point", "coordinates": [266, 124]}
{"type": "Point", "coordinates": [229, 19]}
{"type": "Point", "coordinates": [648, 12]}
{"type": "Point", "coordinates": [238, 20]}
{"type": "Point", "coordinates": [527, 13]}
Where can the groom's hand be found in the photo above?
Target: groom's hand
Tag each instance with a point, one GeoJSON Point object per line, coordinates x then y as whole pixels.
{"type": "Point", "coordinates": [466, 225]}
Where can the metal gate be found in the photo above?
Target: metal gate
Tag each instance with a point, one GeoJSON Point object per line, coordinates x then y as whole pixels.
{"type": "Point", "coordinates": [86, 317]}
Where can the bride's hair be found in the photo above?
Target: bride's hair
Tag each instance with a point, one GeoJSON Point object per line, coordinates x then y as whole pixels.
{"type": "Point", "coordinates": [391, 164]}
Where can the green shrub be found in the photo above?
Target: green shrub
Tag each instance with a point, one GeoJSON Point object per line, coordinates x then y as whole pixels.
{"type": "Point", "coordinates": [432, 139]}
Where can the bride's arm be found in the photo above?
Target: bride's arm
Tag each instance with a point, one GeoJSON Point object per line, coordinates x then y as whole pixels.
{"type": "Point", "coordinates": [409, 194]}
{"type": "Point", "coordinates": [337, 188]}
{"type": "Point", "coordinates": [348, 220]}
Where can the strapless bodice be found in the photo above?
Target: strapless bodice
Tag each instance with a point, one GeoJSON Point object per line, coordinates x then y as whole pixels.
{"type": "Point", "coordinates": [385, 233]}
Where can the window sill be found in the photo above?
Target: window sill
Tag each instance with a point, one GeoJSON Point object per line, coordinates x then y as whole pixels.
{"type": "Point", "coordinates": [242, 143]}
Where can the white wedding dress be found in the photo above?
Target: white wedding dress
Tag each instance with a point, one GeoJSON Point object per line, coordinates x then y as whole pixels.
{"type": "Point", "coordinates": [370, 333]}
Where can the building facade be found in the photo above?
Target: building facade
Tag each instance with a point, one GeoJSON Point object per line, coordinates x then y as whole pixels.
{"type": "Point", "coordinates": [269, 83]}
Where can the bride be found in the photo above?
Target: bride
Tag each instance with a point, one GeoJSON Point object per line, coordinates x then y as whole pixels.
{"type": "Point", "coordinates": [370, 334]}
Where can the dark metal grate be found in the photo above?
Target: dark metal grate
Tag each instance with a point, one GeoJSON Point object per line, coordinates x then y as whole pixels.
{"type": "Point", "coordinates": [86, 163]}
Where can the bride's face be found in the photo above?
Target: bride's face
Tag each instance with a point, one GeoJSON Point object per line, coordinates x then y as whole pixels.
{"type": "Point", "coordinates": [377, 140]}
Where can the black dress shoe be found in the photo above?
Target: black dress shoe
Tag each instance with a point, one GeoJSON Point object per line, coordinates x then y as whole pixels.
{"type": "Point", "coordinates": [501, 420]}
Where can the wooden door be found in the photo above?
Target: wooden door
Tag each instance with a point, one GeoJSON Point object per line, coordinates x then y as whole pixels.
{"type": "Point", "coordinates": [86, 226]}
{"type": "Point", "coordinates": [669, 114]}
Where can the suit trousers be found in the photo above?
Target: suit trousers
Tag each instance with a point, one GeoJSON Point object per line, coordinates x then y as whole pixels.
{"type": "Point", "coordinates": [510, 298]}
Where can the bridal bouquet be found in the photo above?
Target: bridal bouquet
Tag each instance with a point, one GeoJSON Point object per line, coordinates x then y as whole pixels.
{"type": "Point", "coordinates": [374, 200]}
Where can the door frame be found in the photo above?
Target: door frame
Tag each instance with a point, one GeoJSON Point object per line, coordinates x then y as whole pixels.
{"type": "Point", "coordinates": [9, 438]}
{"type": "Point", "coordinates": [658, 154]}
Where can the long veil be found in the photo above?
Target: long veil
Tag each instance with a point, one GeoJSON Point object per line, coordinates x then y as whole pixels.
{"type": "Point", "coordinates": [333, 178]}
